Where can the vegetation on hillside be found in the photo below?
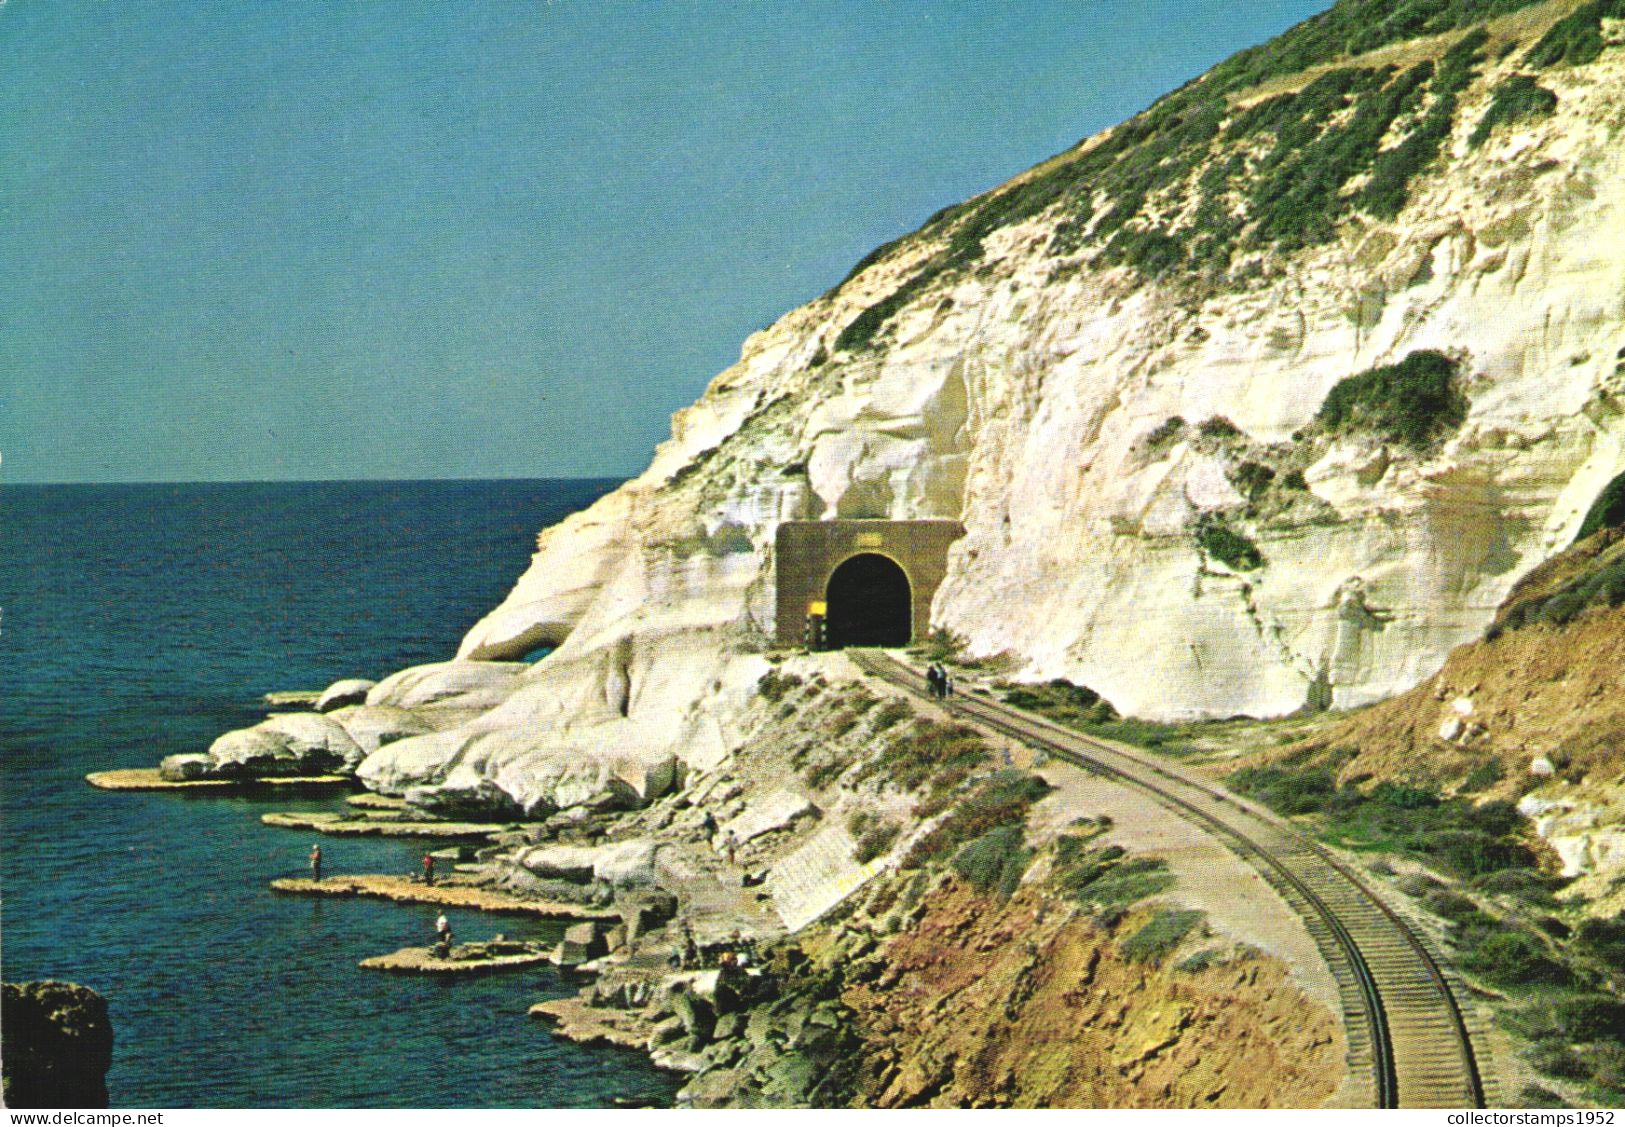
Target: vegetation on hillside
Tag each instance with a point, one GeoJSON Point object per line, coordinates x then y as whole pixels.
{"type": "Point", "coordinates": [1577, 38]}
{"type": "Point", "coordinates": [1503, 921]}
{"type": "Point", "coordinates": [1197, 183]}
{"type": "Point", "coordinates": [1607, 511]}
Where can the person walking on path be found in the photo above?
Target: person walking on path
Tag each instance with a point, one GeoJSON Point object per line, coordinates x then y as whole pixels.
{"type": "Point", "coordinates": [428, 868]}
{"type": "Point", "coordinates": [730, 845]}
{"type": "Point", "coordinates": [316, 862]}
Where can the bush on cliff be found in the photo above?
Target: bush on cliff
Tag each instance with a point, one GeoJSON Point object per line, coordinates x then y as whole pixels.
{"type": "Point", "coordinates": [1415, 402]}
{"type": "Point", "coordinates": [1228, 546]}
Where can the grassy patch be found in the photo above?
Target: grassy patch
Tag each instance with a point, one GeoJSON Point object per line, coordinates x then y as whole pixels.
{"type": "Point", "coordinates": [1414, 402]}
{"type": "Point", "coordinates": [996, 860]}
{"type": "Point", "coordinates": [943, 755]}
{"type": "Point", "coordinates": [1603, 586]}
{"type": "Point", "coordinates": [1106, 880]}
{"type": "Point", "coordinates": [1517, 97]}
{"type": "Point", "coordinates": [1161, 935]}
{"type": "Point", "coordinates": [1060, 700]}
{"type": "Point", "coordinates": [1460, 837]}
{"type": "Point", "coordinates": [874, 835]}
{"type": "Point", "coordinates": [1002, 799]}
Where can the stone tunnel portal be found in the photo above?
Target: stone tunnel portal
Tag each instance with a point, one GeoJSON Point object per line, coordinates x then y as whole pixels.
{"type": "Point", "coordinates": [869, 604]}
{"type": "Point", "coordinates": [871, 580]}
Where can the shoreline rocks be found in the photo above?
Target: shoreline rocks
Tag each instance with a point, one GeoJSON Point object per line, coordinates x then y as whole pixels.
{"type": "Point", "coordinates": [450, 893]}
{"type": "Point", "coordinates": [152, 779]}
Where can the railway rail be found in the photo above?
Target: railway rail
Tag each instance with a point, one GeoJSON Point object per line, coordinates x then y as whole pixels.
{"type": "Point", "coordinates": [1407, 1034]}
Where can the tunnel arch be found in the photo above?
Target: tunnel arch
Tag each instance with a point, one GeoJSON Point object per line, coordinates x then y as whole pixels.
{"type": "Point", "coordinates": [870, 602]}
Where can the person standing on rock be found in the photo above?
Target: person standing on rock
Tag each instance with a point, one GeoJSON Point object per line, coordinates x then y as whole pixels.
{"type": "Point", "coordinates": [316, 862]}
{"type": "Point", "coordinates": [428, 868]}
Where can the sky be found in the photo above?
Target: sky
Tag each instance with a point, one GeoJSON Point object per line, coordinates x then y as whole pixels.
{"type": "Point", "coordinates": [331, 240]}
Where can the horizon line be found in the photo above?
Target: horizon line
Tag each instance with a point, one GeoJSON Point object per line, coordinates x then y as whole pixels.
{"type": "Point", "coordinates": [326, 480]}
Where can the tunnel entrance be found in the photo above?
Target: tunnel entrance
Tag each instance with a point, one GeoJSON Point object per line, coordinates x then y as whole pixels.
{"type": "Point", "coordinates": [870, 604]}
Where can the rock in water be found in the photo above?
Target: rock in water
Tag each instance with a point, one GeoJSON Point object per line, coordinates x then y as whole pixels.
{"type": "Point", "coordinates": [57, 1045]}
{"type": "Point", "coordinates": [341, 693]}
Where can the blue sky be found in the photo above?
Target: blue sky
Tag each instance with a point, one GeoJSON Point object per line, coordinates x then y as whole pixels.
{"type": "Point", "coordinates": [402, 240]}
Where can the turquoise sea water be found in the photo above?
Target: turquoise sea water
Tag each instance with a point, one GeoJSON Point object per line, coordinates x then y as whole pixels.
{"type": "Point", "coordinates": [145, 620]}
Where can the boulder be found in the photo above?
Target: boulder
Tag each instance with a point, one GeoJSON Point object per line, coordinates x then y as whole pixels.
{"type": "Point", "coordinates": [295, 743]}
{"type": "Point", "coordinates": [56, 1044]}
{"type": "Point", "coordinates": [464, 794]}
{"type": "Point", "coordinates": [621, 864]}
{"type": "Point", "coordinates": [342, 693]}
{"type": "Point", "coordinates": [186, 768]}
{"type": "Point", "coordinates": [373, 726]}
{"type": "Point", "coordinates": [471, 685]}
{"type": "Point", "coordinates": [774, 812]}
{"type": "Point", "coordinates": [252, 752]}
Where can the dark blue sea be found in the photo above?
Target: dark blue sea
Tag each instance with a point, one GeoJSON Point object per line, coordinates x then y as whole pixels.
{"type": "Point", "coordinates": [142, 620]}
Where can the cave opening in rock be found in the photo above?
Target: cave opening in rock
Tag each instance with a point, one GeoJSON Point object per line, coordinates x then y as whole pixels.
{"type": "Point", "coordinates": [870, 604]}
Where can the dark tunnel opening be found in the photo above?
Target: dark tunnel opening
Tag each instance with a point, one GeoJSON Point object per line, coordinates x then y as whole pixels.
{"type": "Point", "coordinates": [870, 604]}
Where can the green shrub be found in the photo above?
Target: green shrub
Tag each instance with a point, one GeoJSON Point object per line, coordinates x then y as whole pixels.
{"type": "Point", "coordinates": [1164, 932]}
{"type": "Point", "coordinates": [1228, 546]}
{"type": "Point", "coordinates": [1286, 791]}
{"type": "Point", "coordinates": [1414, 402]}
{"type": "Point", "coordinates": [1512, 958]}
{"type": "Point", "coordinates": [1533, 1095]}
{"type": "Point", "coordinates": [995, 861]}
{"type": "Point", "coordinates": [1217, 426]}
{"type": "Point", "coordinates": [1602, 939]}
{"type": "Point", "coordinates": [1590, 1017]}
{"type": "Point", "coordinates": [1607, 511]}
{"type": "Point", "coordinates": [1560, 1061]}
{"type": "Point", "coordinates": [1061, 700]}
{"type": "Point", "coordinates": [890, 714]}
{"type": "Point", "coordinates": [774, 685]}
{"type": "Point", "coordinates": [1252, 479]}
{"type": "Point", "coordinates": [1517, 97]}
{"type": "Point", "coordinates": [1165, 432]}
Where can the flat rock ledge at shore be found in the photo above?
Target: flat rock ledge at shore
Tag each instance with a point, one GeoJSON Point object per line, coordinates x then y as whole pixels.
{"type": "Point", "coordinates": [465, 959]}
{"type": "Point", "coordinates": [147, 778]}
{"type": "Point", "coordinates": [405, 890]}
{"type": "Point", "coordinates": [574, 1019]}
{"type": "Point", "coordinates": [337, 825]}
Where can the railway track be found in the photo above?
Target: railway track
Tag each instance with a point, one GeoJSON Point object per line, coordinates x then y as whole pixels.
{"type": "Point", "coordinates": [1407, 1035]}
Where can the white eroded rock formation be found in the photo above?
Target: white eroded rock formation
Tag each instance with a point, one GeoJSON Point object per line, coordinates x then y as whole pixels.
{"type": "Point", "coordinates": [1033, 398]}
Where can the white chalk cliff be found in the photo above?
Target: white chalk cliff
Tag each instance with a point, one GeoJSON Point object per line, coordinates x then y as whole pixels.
{"type": "Point", "coordinates": [1027, 394]}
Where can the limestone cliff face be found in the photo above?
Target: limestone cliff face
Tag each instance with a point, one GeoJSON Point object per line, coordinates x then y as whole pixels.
{"type": "Point", "coordinates": [1025, 365]}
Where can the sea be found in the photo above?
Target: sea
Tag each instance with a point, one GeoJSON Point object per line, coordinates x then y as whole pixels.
{"type": "Point", "coordinates": [137, 621]}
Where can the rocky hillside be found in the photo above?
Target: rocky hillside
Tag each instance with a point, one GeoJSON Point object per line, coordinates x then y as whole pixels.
{"type": "Point", "coordinates": [1263, 399]}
